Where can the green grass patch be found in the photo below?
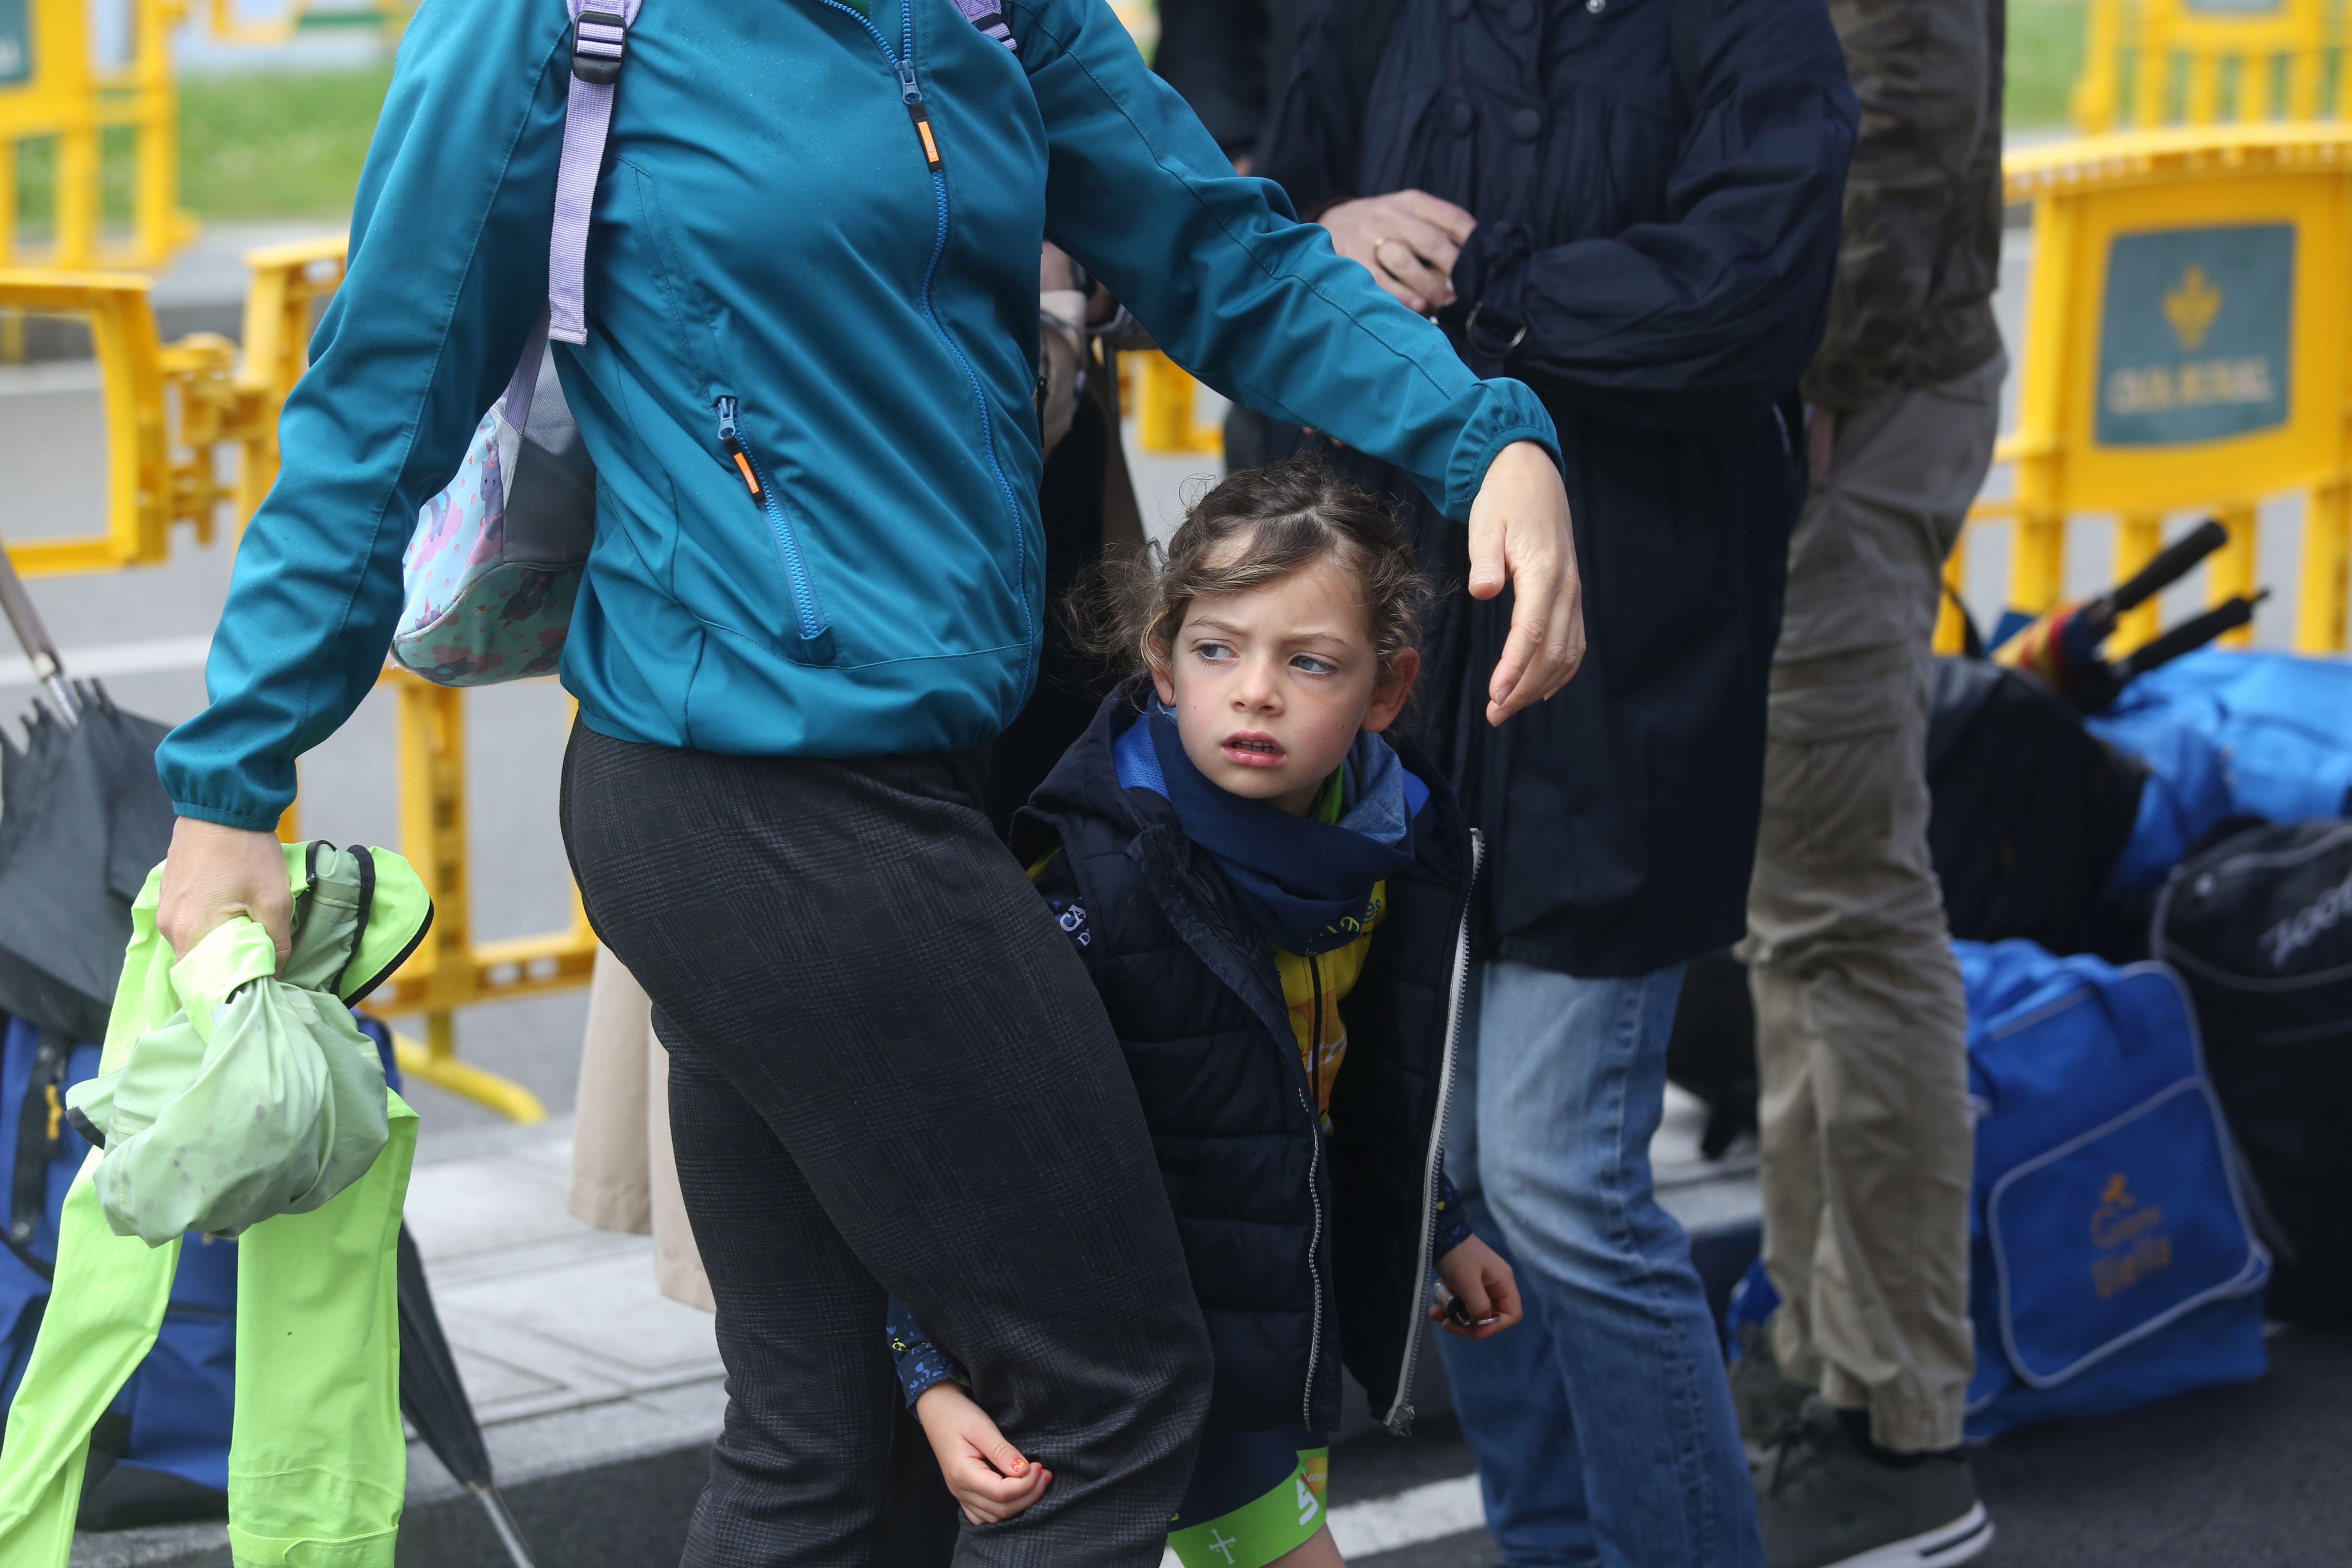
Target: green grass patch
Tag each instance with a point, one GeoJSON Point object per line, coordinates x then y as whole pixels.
{"type": "Point", "coordinates": [2046, 56]}
{"type": "Point", "coordinates": [277, 144]}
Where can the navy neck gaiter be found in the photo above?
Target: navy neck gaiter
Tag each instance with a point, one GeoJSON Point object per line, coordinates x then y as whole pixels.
{"type": "Point", "coordinates": [1306, 884]}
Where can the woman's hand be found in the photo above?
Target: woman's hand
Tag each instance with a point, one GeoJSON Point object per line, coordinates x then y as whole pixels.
{"type": "Point", "coordinates": [211, 874]}
{"type": "Point", "coordinates": [1406, 239]}
{"type": "Point", "coordinates": [1519, 533]}
{"type": "Point", "coordinates": [1478, 1278]}
{"type": "Point", "coordinates": [987, 1473]}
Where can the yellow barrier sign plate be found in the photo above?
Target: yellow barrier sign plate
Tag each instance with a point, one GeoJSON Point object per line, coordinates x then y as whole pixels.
{"type": "Point", "coordinates": [16, 42]}
{"type": "Point", "coordinates": [2197, 335]}
{"type": "Point", "coordinates": [2210, 361]}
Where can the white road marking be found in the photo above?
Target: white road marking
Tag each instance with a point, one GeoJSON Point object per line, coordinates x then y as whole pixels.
{"type": "Point", "coordinates": [1429, 1512]}
{"type": "Point", "coordinates": [103, 661]}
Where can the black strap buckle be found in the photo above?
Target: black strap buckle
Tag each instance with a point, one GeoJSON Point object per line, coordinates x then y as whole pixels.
{"type": "Point", "coordinates": [599, 40]}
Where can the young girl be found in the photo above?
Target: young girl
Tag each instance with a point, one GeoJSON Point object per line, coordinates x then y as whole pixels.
{"type": "Point", "coordinates": [1272, 902]}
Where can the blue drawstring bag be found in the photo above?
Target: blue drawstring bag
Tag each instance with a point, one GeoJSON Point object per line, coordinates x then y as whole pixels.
{"type": "Point", "coordinates": [2112, 1259]}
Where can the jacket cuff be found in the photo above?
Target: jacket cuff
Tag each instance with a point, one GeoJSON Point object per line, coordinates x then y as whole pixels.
{"type": "Point", "coordinates": [919, 1363]}
{"type": "Point", "coordinates": [1507, 412]}
{"type": "Point", "coordinates": [227, 818]}
{"type": "Point", "coordinates": [1450, 1226]}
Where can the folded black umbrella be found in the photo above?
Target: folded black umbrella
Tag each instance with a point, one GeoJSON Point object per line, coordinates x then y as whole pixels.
{"type": "Point", "coordinates": [83, 819]}
{"type": "Point", "coordinates": [433, 1397]}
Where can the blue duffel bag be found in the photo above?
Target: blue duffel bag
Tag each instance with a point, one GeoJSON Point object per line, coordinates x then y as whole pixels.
{"type": "Point", "coordinates": [2112, 1260]}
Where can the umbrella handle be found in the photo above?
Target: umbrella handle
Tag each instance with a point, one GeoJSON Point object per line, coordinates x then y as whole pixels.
{"type": "Point", "coordinates": [502, 1521]}
{"type": "Point", "coordinates": [25, 621]}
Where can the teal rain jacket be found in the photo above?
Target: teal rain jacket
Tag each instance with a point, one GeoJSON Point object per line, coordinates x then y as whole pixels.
{"type": "Point", "coordinates": [774, 264]}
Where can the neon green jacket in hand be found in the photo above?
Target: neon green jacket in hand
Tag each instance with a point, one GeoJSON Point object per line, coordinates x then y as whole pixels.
{"type": "Point", "coordinates": [317, 1465]}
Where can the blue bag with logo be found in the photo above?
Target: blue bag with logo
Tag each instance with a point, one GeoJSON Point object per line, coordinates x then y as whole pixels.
{"type": "Point", "coordinates": [2112, 1260]}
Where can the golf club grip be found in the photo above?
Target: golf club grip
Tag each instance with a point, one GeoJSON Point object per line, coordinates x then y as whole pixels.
{"type": "Point", "coordinates": [2170, 564]}
{"type": "Point", "coordinates": [2189, 636]}
{"type": "Point", "coordinates": [25, 621]}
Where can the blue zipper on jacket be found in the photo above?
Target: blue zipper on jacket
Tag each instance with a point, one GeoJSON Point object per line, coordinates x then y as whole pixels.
{"type": "Point", "coordinates": [788, 545]}
{"type": "Point", "coordinates": [902, 64]}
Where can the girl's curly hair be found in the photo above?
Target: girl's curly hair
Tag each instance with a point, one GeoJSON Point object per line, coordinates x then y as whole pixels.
{"type": "Point", "coordinates": [1284, 518]}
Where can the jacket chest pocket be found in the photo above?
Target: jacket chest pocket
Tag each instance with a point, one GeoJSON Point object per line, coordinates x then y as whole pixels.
{"type": "Point", "coordinates": [722, 422]}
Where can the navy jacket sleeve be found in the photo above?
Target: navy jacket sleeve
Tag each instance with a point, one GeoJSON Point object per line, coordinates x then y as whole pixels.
{"type": "Point", "coordinates": [1708, 315]}
{"type": "Point", "coordinates": [1254, 303]}
{"type": "Point", "coordinates": [920, 1362]}
{"type": "Point", "coordinates": [1449, 1227]}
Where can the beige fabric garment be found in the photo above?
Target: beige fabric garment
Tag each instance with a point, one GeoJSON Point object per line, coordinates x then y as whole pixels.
{"type": "Point", "coordinates": [1861, 1052]}
{"type": "Point", "coordinates": [624, 1175]}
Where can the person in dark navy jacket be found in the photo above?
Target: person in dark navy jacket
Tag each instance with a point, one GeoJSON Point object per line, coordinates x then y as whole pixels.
{"type": "Point", "coordinates": [1634, 206]}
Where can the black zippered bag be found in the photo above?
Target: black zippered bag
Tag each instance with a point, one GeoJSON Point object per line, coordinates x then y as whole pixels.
{"type": "Point", "coordinates": [2259, 926]}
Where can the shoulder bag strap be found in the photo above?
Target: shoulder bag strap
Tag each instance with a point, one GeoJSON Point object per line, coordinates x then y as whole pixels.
{"type": "Point", "coordinates": [600, 37]}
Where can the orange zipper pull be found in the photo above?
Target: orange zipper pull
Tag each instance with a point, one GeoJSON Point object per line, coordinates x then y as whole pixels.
{"type": "Point", "coordinates": [735, 448]}
{"type": "Point", "coordinates": [921, 116]}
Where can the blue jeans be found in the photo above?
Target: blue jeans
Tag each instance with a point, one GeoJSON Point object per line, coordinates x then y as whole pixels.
{"type": "Point", "coordinates": [1567, 1083]}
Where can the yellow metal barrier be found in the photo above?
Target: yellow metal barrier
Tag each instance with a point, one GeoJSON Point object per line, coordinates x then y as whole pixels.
{"type": "Point", "coordinates": [1167, 415]}
{"type": "Point", "coordinates": [299, 15]}
{"type": "Point", "coordinates": [451, 970]}
{"type": "Point", "coordinates": [2187, 349]}
{"type": "Point", "coordinates": [157, 475]}
{"type": "Point", "coordinates": [122, 336]}
{"type": "Point", "coordinates": [161, 471]}
{"type": "Point", "coordinates": [52, 94]}
{"type": "Point", "coordinates": [2202, 62]}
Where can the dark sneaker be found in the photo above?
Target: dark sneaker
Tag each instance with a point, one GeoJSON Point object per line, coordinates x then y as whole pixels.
{"type": "Point", "coordinates": [1766, 1398]}
{"type": "Point", "coordinates": [1825, 1503]}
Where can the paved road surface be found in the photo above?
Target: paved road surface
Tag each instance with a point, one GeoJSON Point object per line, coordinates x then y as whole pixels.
{"type": "Point", "coordinates": [2255, 1477]}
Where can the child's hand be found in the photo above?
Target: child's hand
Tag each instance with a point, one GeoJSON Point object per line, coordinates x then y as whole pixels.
{"type": "Point", "coordinates": [1476, 1276]}
{"type": "Point", "coordinates": [986, 1473]}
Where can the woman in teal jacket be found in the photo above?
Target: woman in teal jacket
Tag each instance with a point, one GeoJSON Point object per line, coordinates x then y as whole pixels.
{"type": "Point", "coordinates": [814, 245]}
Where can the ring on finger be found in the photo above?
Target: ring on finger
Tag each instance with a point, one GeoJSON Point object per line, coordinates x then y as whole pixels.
{"type": "Point", "coordinates": [1386, 239]}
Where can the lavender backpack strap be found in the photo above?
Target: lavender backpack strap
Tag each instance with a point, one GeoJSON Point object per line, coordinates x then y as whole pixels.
{"type": "Point", "coordinates": [987, 15]}
{"type": "Point", "coordinates": [600, 37]}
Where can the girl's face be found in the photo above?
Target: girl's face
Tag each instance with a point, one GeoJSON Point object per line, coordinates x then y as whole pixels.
{"type": "Point", "coordinates": [1271, 686]}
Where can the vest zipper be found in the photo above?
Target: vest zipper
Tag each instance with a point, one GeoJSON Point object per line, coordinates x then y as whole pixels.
{"type": "Point", "coordinates": [910, 93]}
{"type": "Point", "coordinates": [805, 607]}
{"type": "Point", "coordinates": [1399, 1419]}
{"type": "Point", "coordinates": [1314, 1274]}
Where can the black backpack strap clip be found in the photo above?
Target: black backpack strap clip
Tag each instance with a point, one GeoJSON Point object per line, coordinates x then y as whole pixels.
{"type": "Point", "coordinates": [600, 39]}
